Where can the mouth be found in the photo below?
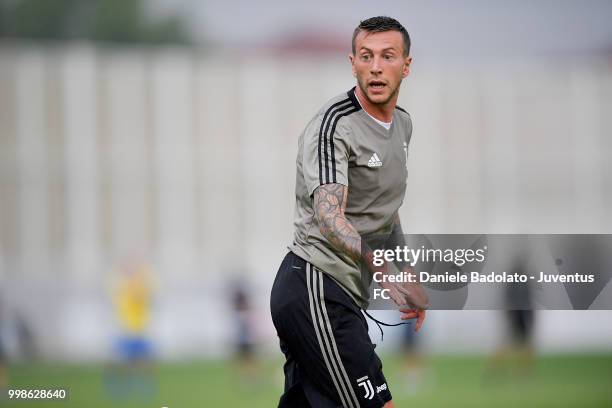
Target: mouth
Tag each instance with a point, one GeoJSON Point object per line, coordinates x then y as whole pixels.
{"type": "Point", "coordinates": [377, 85]}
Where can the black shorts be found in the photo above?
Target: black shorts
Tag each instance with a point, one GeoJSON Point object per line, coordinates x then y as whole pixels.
{"type": "Point", "coordinates": [330, 359]}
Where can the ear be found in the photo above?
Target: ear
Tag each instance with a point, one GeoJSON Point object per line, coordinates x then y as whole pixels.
{"type": "Point", "coordinates": [352, 60]}
{"type": "Point", "coordinates": [406, 70]}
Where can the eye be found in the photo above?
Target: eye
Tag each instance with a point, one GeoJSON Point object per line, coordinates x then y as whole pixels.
{"type": "Point", "coordinates": [365, 57]}
{"type": "Point", "coordinates": [388, 57]}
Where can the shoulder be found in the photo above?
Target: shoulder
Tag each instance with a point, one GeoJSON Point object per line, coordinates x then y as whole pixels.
{"type": "Point", "coordinates": [338, 102]}
{"type": "Point", "coordinates": [342, 104]}
{"type": "Point", "coordinates": [402, 113]}
{"type": "Point", "coordinates": [336, 112]}
{"type": "Point", "coordinates": [403, 116]}
{"type": "Point", "coordinates": [404, 122]}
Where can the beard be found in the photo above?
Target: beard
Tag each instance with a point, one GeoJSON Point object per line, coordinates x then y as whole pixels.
{"type": "Point", "coordinates": [364, 90]}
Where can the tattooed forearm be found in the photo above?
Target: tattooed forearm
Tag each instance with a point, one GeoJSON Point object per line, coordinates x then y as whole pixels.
{"type": "Point", "coordinates": [329, 206]}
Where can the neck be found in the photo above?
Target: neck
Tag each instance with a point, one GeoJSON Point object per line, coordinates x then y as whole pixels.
{"type": "Point", "coordinates": [382, 112]}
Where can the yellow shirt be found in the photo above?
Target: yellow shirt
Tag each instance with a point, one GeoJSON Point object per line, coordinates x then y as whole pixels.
{"type": "Point", "coordinates": [133, 300]}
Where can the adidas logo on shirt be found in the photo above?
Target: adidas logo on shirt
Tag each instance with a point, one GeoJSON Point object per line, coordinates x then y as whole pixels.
{"type": "Point", "coordinates": [374, 161]}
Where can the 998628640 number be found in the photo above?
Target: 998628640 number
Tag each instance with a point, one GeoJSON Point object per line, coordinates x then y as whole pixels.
{"type": "Point", "coordinates": [37, 394]}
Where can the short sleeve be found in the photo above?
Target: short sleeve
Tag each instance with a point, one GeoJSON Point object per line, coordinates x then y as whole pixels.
{"type": "Point", "coordinates": [325, 154]}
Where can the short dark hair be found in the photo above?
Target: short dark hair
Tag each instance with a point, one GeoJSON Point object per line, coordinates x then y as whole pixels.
{"type": "Point", "coordinates": [380, 24]}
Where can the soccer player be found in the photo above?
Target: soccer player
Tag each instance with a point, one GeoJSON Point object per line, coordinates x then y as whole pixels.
{"type": "Point", "coordinates": [351, 180]}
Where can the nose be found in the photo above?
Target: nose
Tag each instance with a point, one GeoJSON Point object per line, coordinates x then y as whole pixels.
{"type": "Point", "coordinates": [375, 68]}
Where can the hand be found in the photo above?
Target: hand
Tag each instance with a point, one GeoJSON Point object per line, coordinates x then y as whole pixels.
{"type": "Point", "coordinates": [395, 289]}
{"type": "Point", "coordinates": [418, 314]}
{"type": "Point", "coordinates": [397, 292]}
{"type": "Point", "coordinates": [407, 294]}
{"type": "Point", "coordinates": [403, 294]}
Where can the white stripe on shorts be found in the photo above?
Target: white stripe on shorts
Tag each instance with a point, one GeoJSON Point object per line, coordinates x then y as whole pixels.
{"type": "Point", "coordinates": [326, 339]}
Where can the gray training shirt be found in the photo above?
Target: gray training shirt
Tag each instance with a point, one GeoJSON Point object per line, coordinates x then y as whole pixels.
{"type": "Point", "coordinates": [343, 144]}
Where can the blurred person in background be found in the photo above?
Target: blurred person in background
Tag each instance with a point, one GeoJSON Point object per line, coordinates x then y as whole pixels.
{"type": "Point", "coordinates": [131, 295]}
{"type": "Point", "coordinates": [244, 335]}
{"type": "Point", "coordinates": [415, 370]}
{"type": "Point", "coordinates": [516, 355]}
{"type": "Point", "coordinates": [351, 181]}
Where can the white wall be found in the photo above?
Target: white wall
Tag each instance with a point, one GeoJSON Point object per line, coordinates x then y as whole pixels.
{"type": "Point", "coordinates": [188, 161]}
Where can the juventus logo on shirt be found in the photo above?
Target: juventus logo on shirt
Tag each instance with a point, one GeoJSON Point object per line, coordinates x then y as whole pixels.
{"type": "Point", "coordinates": [367, 385]}
{"type": "Point", "coordinates": [374, 161]}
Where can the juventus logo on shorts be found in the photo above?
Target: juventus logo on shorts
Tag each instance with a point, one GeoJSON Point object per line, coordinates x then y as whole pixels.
{"type": "Point", "coordinates": [367, 385]}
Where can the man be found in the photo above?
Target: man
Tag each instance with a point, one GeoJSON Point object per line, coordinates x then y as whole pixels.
{"type": "Point", "coordinates": [351, 180]}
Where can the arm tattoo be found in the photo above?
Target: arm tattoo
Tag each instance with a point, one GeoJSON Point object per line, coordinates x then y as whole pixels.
{"type": "Point", "coordinates": [329, 205]}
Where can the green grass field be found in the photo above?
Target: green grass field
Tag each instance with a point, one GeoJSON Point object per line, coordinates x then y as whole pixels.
{"type": "Point", "coordinates": [555, 381]}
